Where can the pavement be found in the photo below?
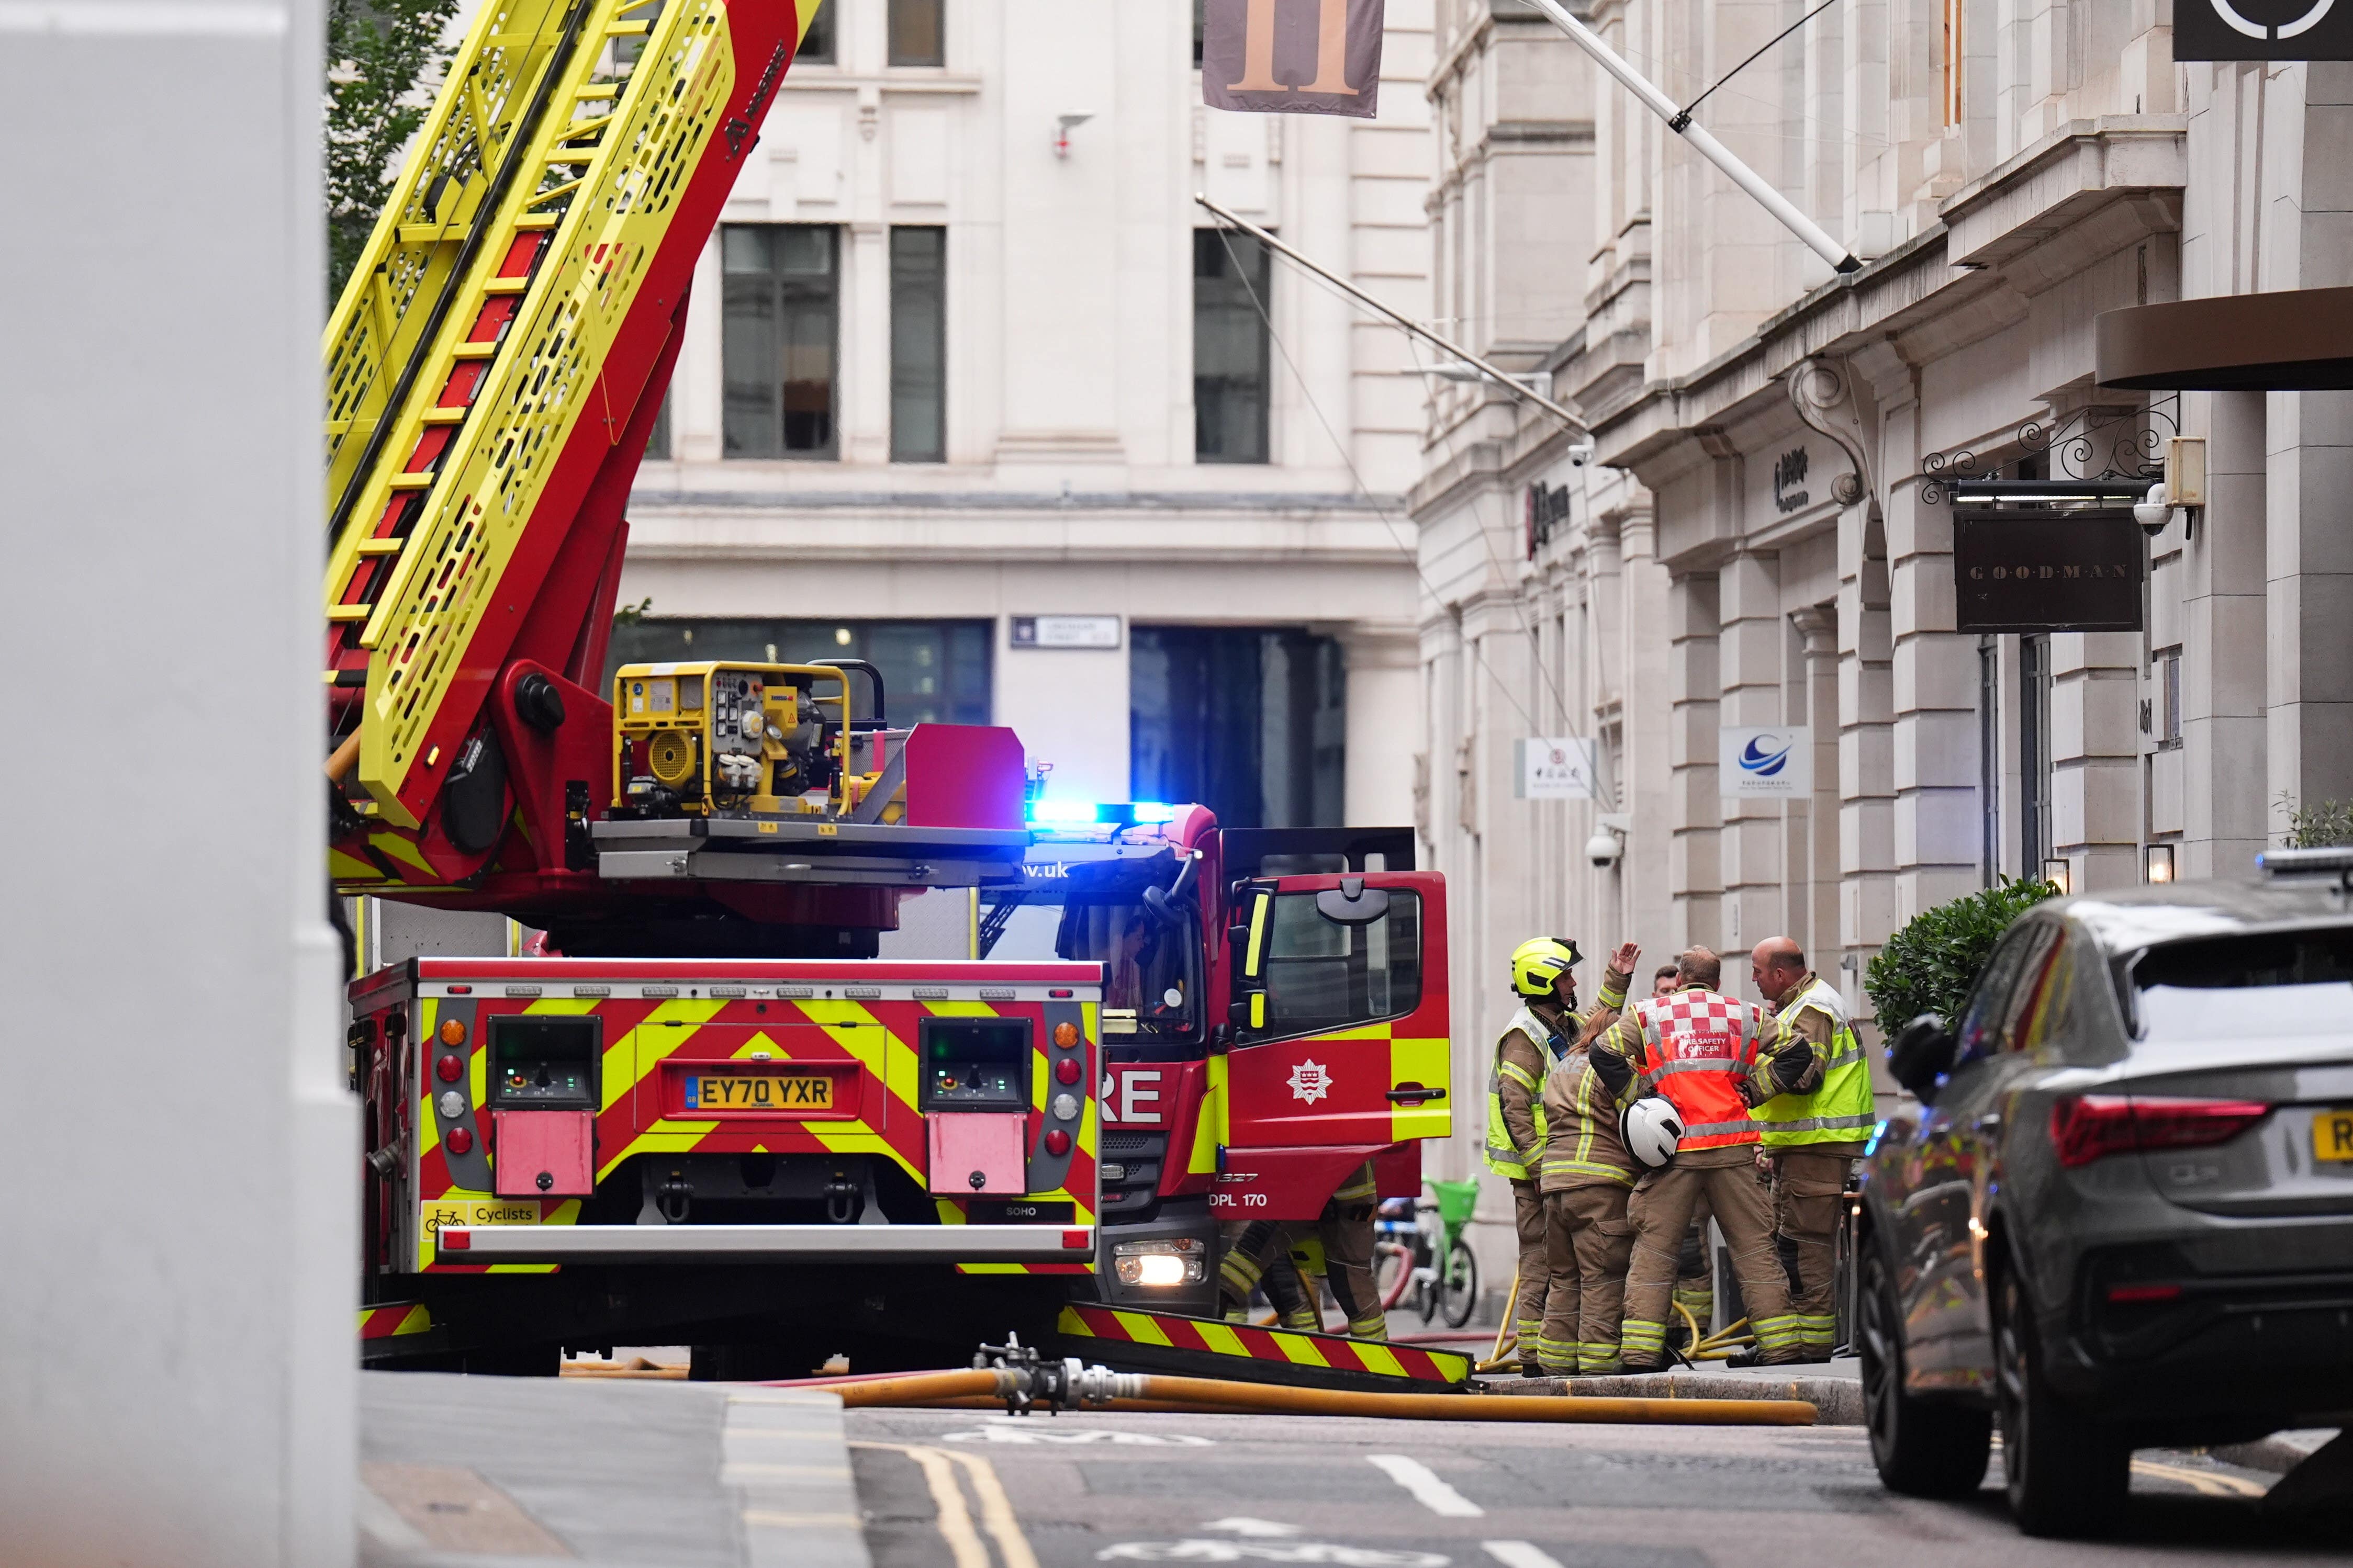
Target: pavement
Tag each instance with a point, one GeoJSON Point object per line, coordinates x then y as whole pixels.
{"type": "Point", "coordinates": [648, 1473]}
{"type": "Point", "coordinates": [497, 1472]}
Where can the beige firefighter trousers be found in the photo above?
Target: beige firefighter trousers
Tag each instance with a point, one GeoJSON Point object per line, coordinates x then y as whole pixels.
{"type": "Point", "coordinates": [1534, 1270]}
{"type": "Point", "coordinates": [1588, 1240]}
{"type": "Point", "coordinates": [1807, 1189]}
{"type": "Point", "coordinates": [1661, 1213]}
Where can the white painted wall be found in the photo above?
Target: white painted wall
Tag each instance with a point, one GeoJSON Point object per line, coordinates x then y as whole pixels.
{"type": "Point", "coordinates": [179, 1229]}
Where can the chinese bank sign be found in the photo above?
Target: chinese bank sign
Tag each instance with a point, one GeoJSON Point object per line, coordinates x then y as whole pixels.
{"type": "Point", "coordinates": [2263, 29]}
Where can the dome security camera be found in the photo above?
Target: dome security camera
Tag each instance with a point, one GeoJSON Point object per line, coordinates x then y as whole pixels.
{"type": "Point", "coordinates": [2153, 514]}
{"type": "Point", "coordinates": [1604, 849]}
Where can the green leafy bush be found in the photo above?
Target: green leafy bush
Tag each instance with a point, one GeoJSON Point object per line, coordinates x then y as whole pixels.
{"type": "Point", "coordinates": [2326, 825]}
{"type": "Point", "coordinates": [1930, 964]}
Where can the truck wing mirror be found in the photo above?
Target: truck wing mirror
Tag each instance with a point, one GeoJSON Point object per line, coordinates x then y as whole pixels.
{"type": "Point", "coordinates": [1351, 903]}
{"type": "Point", "coordinates": [1922, 1052]}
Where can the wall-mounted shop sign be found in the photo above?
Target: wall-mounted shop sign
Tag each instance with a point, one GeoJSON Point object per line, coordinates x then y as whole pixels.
{"type": "Point", "coordinates": [2046, 571]}
{"type": "Point", "coordinates": [1561, 769]}
{"type": "Point", "coordinates": [1790, 492]}
{"type": "Point", "coordinates": [1765, 763]}
{"type": "Point", "coordinates": [1786, 481]}
{"type": "Point", "coordinates": [1548, 508]}
{"type": "Point", "coordinates": [2263, 30]}
{"type": "Point", "coordinates": [1066, 631]}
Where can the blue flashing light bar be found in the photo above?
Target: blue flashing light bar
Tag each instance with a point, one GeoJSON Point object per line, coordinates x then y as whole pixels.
{"type": "Point", "coordinates": [1091, 813]}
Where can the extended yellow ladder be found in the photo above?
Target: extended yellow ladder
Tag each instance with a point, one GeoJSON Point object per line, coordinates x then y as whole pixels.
{"type": "Point", "coordinates": [467, 358]}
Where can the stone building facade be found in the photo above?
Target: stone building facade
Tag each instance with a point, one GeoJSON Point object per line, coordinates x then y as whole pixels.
{"type": "Point", "coordinates": [973, 248]}
{"type": "Point", "coordinates": [1761, 532]}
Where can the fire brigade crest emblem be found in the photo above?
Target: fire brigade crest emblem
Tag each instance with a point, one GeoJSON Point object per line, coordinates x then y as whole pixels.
{"type": "Point", "coordinates": [1310, 1081]}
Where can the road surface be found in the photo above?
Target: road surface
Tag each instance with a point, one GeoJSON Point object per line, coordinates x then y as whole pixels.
{"type": "Point", "coordinates": [972, 1489]}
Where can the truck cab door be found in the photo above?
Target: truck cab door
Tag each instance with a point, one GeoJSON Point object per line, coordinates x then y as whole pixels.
{"type": "Point", "coordinates": [1338, 1018]}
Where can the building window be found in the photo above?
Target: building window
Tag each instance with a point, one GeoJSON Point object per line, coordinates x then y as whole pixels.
{"type": "Point", "coordinates": [1200, 28]}
{"type": "Point", "coordinates": [2034, 766]}
{"type": "Point", "coordinates": [1252, 723]}
{"type": "Point", "coordinates": [932, 671]}
{"type": "Point", "coordinates": [817, 44]}
{"type": "Point", "coordinates": [919, 332]}
{"type": "Point", "coordinates": [919, 34]}
{"type": "Point", "coordinates": [658, 444]}
{"type": "Point", "coordinates": [783, 308]}
{"type": "Point", "coordinates": [1230, 357]}
{"type": "Point", "coordinates": [2169, 730]}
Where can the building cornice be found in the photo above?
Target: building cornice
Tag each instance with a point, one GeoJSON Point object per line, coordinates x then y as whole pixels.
{"type": "Point", "coordinates": [2089, 189]}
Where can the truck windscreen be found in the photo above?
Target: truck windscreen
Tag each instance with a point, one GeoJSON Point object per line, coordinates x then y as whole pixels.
{"type": "Point", "coordinates": [1153, 981]}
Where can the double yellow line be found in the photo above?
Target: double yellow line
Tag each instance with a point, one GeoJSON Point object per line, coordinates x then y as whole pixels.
{"type": "Point", "coordinates": [955, 1520]}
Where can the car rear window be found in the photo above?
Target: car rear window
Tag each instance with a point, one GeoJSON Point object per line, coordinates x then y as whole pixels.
{"type": "Point", "coordinates": [2269, 983]}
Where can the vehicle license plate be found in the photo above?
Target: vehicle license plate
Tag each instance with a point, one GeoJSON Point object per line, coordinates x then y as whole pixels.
{"type": "Point", "coordinates": [760, 1092]}
{"type": "Point", "coordinates": [2332, 1135]}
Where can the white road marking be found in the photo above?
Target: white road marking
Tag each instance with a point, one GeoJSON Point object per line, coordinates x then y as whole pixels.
{"type": "Point", "coordinates": [1243, 1524]}
{"type": "Point", "coordinates": [1427, 1488]}
{"type": "Point", "coordinates": [1519, 1554]}
{"type": "Point", "coordinates": [1033, 1433]}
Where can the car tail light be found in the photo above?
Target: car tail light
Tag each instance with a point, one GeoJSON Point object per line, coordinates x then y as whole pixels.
{"type": "Point", "coordinates": [1067, 1070]}
{"type": "Point", "coordinates": [453, 1032]}
{"type": "Point", "coordinates": [457, 1241]}
{"type": "Point", "coordinates": [2142, 1295]}
{"type": "Point", "coordinates": [459, 1140]}
{"type": "Point", "coordinates": [1058, 1142]}
{"type": "Point", "coordinates": [2088, 1127]}
{"type": "Point", "coordinates": [450, 1069]}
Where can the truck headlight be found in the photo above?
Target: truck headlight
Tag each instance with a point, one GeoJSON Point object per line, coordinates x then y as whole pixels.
{"type": "Point", "coordinates": [1175, 1261]}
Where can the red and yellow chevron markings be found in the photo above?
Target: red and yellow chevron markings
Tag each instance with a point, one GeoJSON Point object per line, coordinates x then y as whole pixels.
{"type": "Point", "coordinates": [648, 1042]}
{"type": "Point", "coordinates": [1164, 1333]}
{"type": "Point", "coordinates": [391, 1323]}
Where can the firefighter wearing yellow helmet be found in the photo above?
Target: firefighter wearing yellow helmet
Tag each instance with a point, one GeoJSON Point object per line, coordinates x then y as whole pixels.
{"type": "Point", "coordinates": [1544, 1028]}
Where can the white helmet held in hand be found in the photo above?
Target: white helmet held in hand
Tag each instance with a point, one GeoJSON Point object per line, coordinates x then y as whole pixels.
{"type": "Point", "coordinates": [1652, 1129]}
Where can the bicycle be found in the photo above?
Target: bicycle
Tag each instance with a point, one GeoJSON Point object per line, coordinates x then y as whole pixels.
{"type": "Point", "coordinates": [1406, 1254]}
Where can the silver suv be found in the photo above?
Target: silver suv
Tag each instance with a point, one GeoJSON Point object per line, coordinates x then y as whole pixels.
{"type": "Point", "coordinates": [2121, 1213]}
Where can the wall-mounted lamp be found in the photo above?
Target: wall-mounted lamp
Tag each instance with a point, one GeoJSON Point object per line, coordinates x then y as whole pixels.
{"type": "Point", "coordinates": [1063, 125]}
{"type": "Point", "coordinates": [2160, 863]}
{"type": "Point", "coordinates": [2056, 872]}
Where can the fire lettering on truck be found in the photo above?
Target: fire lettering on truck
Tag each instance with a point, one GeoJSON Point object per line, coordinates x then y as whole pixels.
{"type": "Point", "coordinates": [1130, 1097]}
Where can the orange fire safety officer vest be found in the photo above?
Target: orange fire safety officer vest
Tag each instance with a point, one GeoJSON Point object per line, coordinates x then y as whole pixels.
{"type": "Point", "coordinates": [1696, 1045]}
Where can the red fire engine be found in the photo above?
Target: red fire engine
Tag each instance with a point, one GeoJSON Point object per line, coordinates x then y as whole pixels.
{"type": "Point", "coordinates": [717, 1116]}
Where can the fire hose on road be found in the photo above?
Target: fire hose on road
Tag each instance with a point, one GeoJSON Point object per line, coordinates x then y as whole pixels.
{"type": "Point", "coordinates": [1067, 1385]}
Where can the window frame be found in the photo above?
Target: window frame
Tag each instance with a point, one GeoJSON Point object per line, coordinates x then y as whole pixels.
{"type": "Point", "coordinates": [901, 287]}
{"type": "Point", "coordinates": [779, 304]}
{"type": "Point", "coordinates": [1249, 297]}
{"type": "Point", "coordinates": [1275, 1030]}
{"type": "Point", "coordinates": [822, 26]}
{"type": "Point", "coordinates": [892, 21]}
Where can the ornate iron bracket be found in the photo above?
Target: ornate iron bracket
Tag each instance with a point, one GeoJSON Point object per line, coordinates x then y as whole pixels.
{"type": "Point", "coordinates": [1823, 392]}
{"type": "Point", "coordinates": [2093, 443]}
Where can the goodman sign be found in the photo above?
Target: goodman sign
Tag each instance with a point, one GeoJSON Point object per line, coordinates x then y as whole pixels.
{"type": "Point", "coordinates": [2263, 29]}
{"type": "Point", "coordinates": [2046, 571]}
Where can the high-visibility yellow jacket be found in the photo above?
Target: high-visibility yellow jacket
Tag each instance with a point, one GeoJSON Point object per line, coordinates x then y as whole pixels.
{"type": "Point", "coordinates": [1828, 1101]}
{"type": "Point", "coordinates": [1524, 1054]}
